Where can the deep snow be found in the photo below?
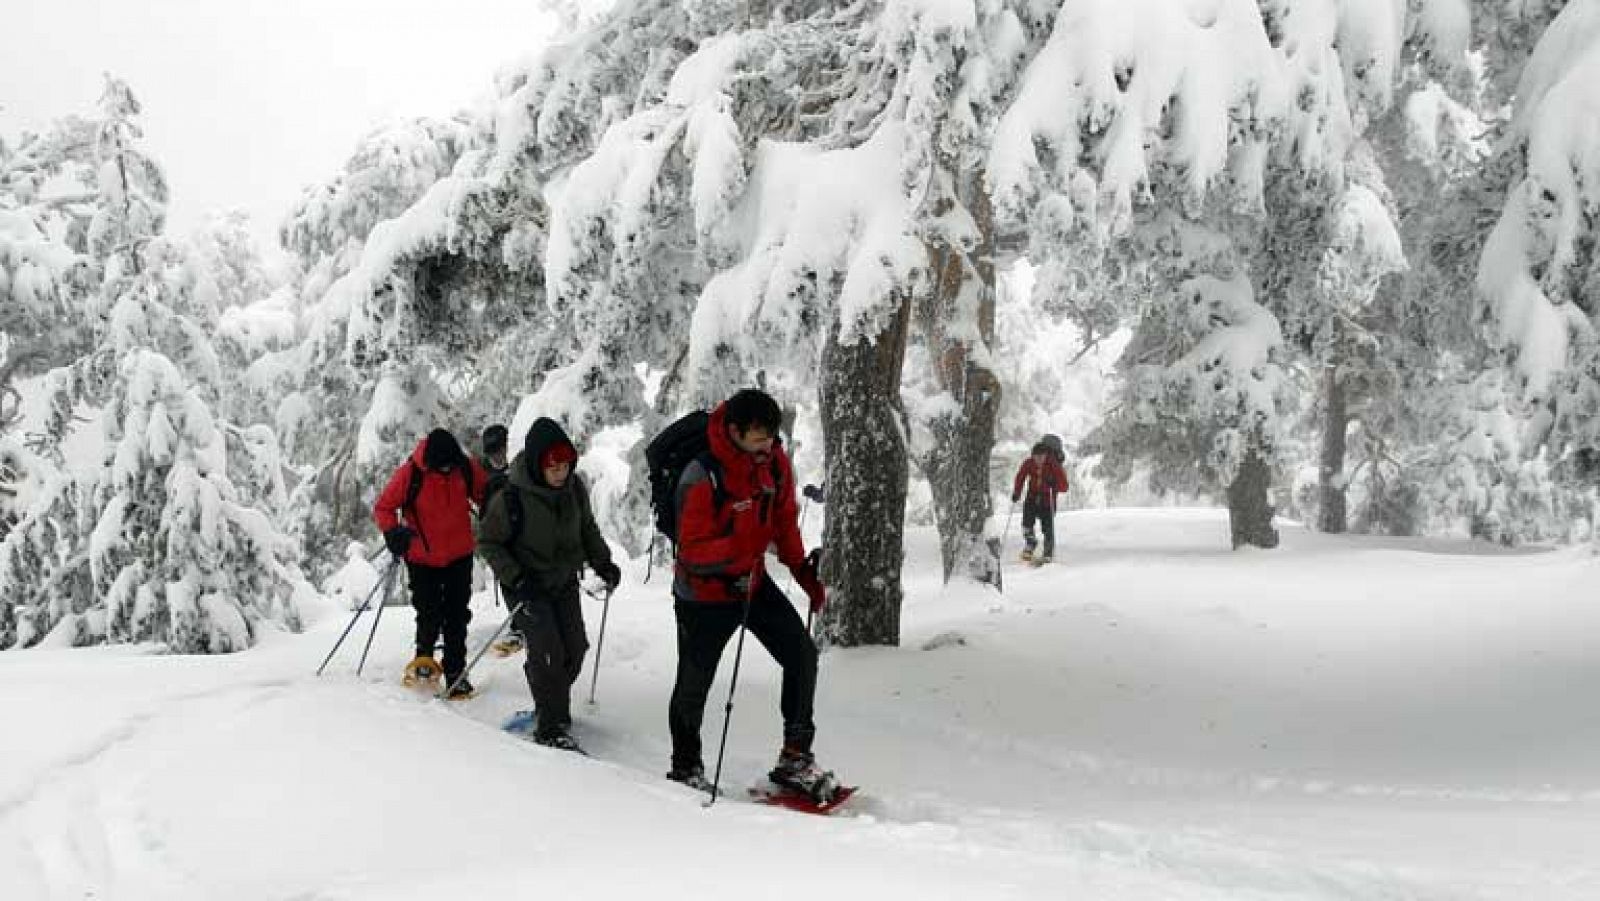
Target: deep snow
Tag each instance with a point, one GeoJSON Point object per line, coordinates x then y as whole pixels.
{"type": "Point", "coordinates": [1152, 717]}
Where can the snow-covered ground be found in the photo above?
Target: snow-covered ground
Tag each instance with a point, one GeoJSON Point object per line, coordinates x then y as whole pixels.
{"type": "Point", "coordinates": [1153, 718]}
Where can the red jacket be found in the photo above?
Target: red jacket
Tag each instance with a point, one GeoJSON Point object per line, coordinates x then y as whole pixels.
{"type": "Point", "coordinates": [1044, 482]}
{"type": "Point", "coordinates": [441, 516]}
{"type": "Point", "coordinates": [721, 542]}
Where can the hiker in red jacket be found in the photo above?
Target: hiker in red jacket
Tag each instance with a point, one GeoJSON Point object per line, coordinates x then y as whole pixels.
{"type": "Point", "coordinates": [1042, 476]}
{"type": "Point", "coordinates": [732, 504]}
{"type": "Point", "coordinates": [425, 514]}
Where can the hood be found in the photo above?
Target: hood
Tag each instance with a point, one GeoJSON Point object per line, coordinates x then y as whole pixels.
{"type": "Point", "coordinates": [439, 449]}
{"type": "Point", "coordinates": [544, 434]}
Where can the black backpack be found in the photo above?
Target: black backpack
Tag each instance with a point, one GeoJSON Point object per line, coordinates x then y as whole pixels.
{"type": "Point", "coordinates": [667, 455]}
{"type": "Point", "coordinates": [1052, 443]}
{"type": "Point", "coordinates": [500, 483]}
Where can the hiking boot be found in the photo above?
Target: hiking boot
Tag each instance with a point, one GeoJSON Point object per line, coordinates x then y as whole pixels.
{"type": "Point", "coordinates": [461, 689]}
{"type": "Point", "coordinates": [798, 771]}
{"type": "Point", "coordinates": [561, 741]}
{"type": "Point", "coordinates": [694, 777]}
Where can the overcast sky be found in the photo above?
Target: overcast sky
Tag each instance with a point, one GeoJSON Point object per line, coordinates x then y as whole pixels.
{"type": "Point", "coordinates": [247, 101]}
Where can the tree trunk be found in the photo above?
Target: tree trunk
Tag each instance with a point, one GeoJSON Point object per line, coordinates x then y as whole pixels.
{"type": "Point", "coordinates": [864, 435]}
{"type": "Point", "coordinates": [1249, 514]}
{"type": "Point", "coordinates": [1331, 512]}
{"type": "Point", "coordinates": [958, 323]}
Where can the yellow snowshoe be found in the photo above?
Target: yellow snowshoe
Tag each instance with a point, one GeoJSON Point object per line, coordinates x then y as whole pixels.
{"type": "Point", "coordinates": [423, 672]}
{"type": "Point", "coordinates": [506, 647]}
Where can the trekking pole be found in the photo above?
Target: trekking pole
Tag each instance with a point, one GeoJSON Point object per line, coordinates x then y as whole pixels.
{"type": "Point", "coordinates": [650, 558]}
{"type": "Point", "coordinates": [445, 691]}
{"type": "Point", "coordinates": [600, 643]}
{"type": "Point", "coordinates": [382, 580]}
{"type": "Point", "coordinates": [733, 683]}
{"type": "Point", "coordinates": [376, 618]}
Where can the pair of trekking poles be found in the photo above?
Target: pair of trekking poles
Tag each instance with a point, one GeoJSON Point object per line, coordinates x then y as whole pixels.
{"type": "Point", "coordinates": [386, 583]}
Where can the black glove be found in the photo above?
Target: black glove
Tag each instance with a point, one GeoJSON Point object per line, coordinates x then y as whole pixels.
{"type": "Point", "coordinates": [812, 493]}
{"type": "Point", "coordinates": [609, 573]}
{"type": "Point", "coordinates": [398, 540]}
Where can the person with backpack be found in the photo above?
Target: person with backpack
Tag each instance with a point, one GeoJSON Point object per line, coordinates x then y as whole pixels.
{"type": "Point", "coordinates": [493, 460]}
{"type": "Point", "coordinates": [732, 500]}
{"type": "Point", "coordinates": [425, 514]}
{"type": "Point", "coordinates": [536, 534]}
{"type": "Point", "coordinates": [1043, 477]}
{"type": "Point", "coordinates": [494, 443]}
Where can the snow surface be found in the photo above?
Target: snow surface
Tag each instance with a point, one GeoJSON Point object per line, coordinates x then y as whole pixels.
{"type": "Point", "coordinates": [1153, 718]}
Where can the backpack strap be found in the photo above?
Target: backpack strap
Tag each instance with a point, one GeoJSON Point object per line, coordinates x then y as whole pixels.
{"type": "Point", "coordinates": [514, 514]}
{"type": "Point", "coordinates": [414, 489]}
{"type": "Point", "coordinates": [713, 469]}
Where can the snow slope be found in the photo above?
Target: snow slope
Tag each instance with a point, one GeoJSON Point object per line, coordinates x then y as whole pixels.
{"type": "Point", "coordinates": [1155, 717]}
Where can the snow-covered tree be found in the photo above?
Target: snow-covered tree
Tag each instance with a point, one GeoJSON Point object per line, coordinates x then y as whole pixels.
{"type": "Point", "coordinates": [1540, 272]}
{"type": "Point", "coordinates": [227, 250]}
{"type": "Point", "coordinates": [158, 544]}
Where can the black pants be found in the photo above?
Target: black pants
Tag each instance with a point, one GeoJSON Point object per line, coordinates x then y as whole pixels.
{"type": "Point", "coordinates": [441, 595]}
{"type": "Point", "coordinates": [1045, 513]}
{"type": "Point", "coordinates": [703, 632]}
{"type": "Point", "coordinates": [551, 624]}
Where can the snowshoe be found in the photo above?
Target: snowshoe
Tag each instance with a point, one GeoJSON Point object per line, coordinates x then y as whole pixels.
{"type": "Point", "coordinates": [520, 723]}
{"type": "Point", "coordinates": [1027, 555]}
{"type": "Point", "coordinates": [561, 741]}
{"type": "Point", "coordinates": [506, 647]}
{"type": "Point", "coordinates": [799, 773]}
{"type": "Point", "coordinates": [461, 690]}
{"type": "Point", "coordinates": [422, 672]}
{"type": "Point", "coordinates": [1040, 560]}
{"type": "Point", "coordinates": [694, 777]}
{"type": "Point", "coordinates": [779, 796]}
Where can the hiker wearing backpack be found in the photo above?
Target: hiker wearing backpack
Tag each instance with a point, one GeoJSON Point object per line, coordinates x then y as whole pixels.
{"type": "Point", "coordinates": [425, 514]}
{"type": "Point", "coordinates": [494, 462]}
{"type": "Point", "coordinates": [1042, 477]}
{"type": "Point", "coordinates": [735, 496]}
{"type": "Point", "coordinates": [536, 534]}
{"type": "Point", "coordinates": [494, 443]}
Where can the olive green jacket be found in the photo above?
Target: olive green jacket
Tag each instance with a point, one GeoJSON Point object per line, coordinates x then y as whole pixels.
{"type": "Point", "coordinates": [558, 534]}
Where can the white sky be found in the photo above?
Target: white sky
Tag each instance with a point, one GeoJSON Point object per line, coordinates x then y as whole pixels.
{"type": "Point", "coordinates": [247, 101]}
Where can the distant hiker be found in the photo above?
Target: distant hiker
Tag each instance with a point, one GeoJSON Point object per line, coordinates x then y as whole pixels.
{"type": "Point", "coordinates": [536, 535]}
{"type": "Point", "coordinates": [733, 498]}
{"type": "Point", "coordinates": [425, 514]}
{"type": "Point", "coordinates": [493, 444]}
{"type": "Point", "coordinates": [494, 462]}
{"type": "Point", "coordinates": [1044, 478]}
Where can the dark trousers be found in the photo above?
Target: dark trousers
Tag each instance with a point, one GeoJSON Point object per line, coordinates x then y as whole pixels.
{"type": "Point", "coordinates": [551, 624]}
{"type": "Point", "coordinates": [1045, 512]}
{"type": "Point", "coordinates": [441, 595]}
{"type": "Point", "coordinates": [703, 632]}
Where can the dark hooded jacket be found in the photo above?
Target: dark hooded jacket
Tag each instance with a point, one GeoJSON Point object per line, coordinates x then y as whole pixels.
{"type": "Point", "coordinates": [558, 533]}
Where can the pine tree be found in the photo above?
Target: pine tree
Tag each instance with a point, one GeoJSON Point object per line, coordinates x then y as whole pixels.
{"type": "Point", "coordinates": [158, 544]}
{"type": "Point", "coordinates": [1540, 272]}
